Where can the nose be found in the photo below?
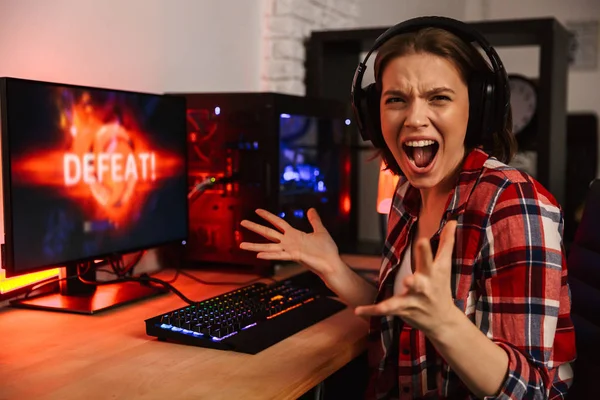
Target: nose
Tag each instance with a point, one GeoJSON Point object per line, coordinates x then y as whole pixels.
{"type": "Point", "coordinates": [416, 115]}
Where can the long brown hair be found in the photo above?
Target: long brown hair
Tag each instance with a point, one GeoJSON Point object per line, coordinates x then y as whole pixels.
{"type": "Point", "coordinates": [467, 60]}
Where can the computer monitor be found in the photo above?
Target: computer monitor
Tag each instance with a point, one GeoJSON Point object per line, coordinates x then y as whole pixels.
{"type": "Point", "coordinates": [89, 173]}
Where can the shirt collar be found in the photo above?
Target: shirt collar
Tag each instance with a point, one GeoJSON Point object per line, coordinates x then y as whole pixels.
{"type": "Point", "coordinates": [465, 183]}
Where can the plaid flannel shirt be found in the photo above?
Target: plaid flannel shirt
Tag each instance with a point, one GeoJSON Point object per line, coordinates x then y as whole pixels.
{"type": "Point", "coordinates": [509, 277]}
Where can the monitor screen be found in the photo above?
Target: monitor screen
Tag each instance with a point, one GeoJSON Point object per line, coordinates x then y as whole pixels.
{"type": "Point", "coordinates": [89, 172]}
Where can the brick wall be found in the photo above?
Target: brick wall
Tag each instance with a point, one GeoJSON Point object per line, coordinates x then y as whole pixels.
{"type": "Point", "coordinates": [287, 23]}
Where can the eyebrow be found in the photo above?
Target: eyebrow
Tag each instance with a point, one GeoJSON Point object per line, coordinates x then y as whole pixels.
{"type": "Point", "coordinates": [440, 90]}
{"type": "Point", "coordinates": [435, 90]}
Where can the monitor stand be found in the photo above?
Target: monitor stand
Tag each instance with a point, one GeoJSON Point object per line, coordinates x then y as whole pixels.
{"type": "Point", "coordinates": [78, 297]}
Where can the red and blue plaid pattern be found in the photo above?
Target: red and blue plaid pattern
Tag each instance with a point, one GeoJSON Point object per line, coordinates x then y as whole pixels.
{"type": "Point", "coordinates": [509, 276]}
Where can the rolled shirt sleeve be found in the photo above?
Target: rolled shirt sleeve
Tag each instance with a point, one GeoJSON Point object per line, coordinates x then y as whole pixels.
{"type": "Point", "coordinates": [525, 294]}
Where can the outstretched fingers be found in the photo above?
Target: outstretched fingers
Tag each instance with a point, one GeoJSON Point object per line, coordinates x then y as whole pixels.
{"type": "Point", "coordinates": [264, 231]}
{"type": "Point", "coordinates": [260, 247]}
{"type": "Point", "coordinates": [274, 220]}
{"type": "Point", "coordinates": [392, 306]}
{"type": "Point", "coordinates": [423, 256]}
{"type": "Point", "coordinates": [315, 220]}
{"type": "Point", "coordinates": [279, 255]}
{"type": "Point", "coordinates": [446, 241]}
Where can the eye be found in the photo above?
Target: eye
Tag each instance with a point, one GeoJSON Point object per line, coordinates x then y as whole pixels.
{"type": "Point", "coordinates": [440, 98]}
{"type": "Point", "coordinates": [390, 100]}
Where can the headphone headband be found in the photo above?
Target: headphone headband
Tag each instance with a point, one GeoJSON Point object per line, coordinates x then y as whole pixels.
{"type": "Point", "coordinates": [458, 28]}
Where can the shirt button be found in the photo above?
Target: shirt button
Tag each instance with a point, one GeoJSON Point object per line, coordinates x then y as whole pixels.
{"type": "Point", "coordinates": [405, 352]}
{"type": "Point", "coordinates": [406, 389]}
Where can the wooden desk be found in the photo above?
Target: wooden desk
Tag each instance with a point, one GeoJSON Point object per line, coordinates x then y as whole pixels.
{"type": "Point", "coordinates": [51, 355]}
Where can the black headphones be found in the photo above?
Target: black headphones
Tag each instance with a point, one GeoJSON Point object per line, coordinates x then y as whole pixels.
{"type": "Point", "coordinates": [489, 93]}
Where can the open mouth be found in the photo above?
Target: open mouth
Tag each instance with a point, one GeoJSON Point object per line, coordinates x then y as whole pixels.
{"type": "Point", "coordinates": [421, 152]}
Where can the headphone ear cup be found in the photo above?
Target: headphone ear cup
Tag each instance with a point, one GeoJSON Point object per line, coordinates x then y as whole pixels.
{"type": "Point", "coordinates": [482, 122]}
{"type": "Point", "coordinates": [372, 114]}
{"type": "Point", "coordinates": [360, 111]}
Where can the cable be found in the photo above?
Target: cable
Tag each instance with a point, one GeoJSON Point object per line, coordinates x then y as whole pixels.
{"type": "Point", "coordinates": [200, 187]}
{"type": "Point", "coordinates": [121, 278]}
{"type": "Point", "coordinates": [118, 264]}
{"type": "Point", "coordinates": [144, 278]}
{"type": "Point", "coordinates": [225, 282]}
{"type": "Point", "coordinates": [173, 279]}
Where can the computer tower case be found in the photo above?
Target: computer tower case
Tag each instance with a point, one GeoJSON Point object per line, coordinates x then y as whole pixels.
{"type": "Point", "coordinates": [278, 152]}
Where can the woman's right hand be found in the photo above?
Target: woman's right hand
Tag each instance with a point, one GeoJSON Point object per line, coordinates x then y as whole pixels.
{"type": "Point", "coordinates": [316, 250]}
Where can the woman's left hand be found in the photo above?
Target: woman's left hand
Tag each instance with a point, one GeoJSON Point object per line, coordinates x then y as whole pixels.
{"type": "Point", "coordinates": [426, 302]}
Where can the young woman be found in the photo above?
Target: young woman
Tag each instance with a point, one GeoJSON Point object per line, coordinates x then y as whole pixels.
{"type": "Point", "coordinates": [472, 297]}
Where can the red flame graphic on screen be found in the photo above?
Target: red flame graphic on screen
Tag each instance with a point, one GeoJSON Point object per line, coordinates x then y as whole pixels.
{"type": "Point", "coordinates": [108, 166]}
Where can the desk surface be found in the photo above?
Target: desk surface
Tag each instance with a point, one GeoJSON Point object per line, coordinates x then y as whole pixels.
{"type": "Point", "coordinates": [52, 355]}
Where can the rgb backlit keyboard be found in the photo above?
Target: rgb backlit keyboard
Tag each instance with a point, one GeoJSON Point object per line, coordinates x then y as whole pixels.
{"type": "Point", "coordinates": [249, 319]}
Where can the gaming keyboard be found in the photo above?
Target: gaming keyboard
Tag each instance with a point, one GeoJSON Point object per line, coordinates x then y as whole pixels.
{"type": "Point", "coordinates": [249, 319]}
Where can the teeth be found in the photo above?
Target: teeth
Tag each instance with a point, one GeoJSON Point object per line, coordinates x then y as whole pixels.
{"type": "Point", "coordinates": [419, 143]}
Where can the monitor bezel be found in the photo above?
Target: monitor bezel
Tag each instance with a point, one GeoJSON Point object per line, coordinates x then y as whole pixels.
{"type": "Point", "coordinates": [8, 255]}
